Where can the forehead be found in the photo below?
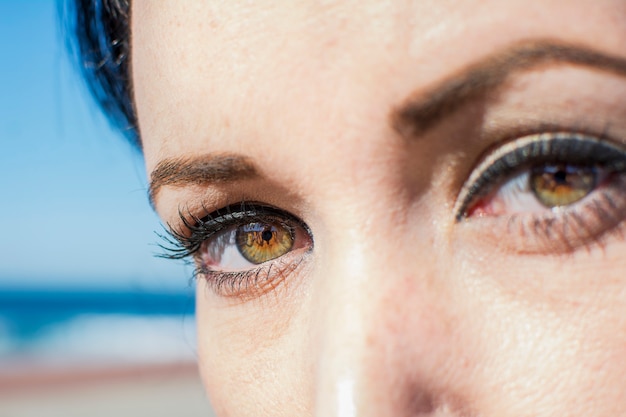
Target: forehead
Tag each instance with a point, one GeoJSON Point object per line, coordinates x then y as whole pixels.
{"type": "Point", "coordinates": [248, 77]}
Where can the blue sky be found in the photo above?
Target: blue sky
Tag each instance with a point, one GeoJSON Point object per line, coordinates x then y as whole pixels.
{"type": "Point", "coordinates": [73, 208]}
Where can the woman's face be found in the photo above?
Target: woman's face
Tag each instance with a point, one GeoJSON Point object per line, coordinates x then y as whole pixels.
{"type": "Point", "coordinates": [396, 208]}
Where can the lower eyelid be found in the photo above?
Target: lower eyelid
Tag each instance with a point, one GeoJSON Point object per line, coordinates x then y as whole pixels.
{"type": "Point", "coordinates": [256, 282]}
{"type": "Point", "coordinates": [563, 230]}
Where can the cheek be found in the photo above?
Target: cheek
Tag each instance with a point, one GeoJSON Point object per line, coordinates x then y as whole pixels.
{"type": "Point", "coordinates": [253, 356]}
{"type": "Point", "coordinates": [556, 327]}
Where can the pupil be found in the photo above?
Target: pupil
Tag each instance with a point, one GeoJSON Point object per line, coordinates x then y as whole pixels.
{"type": "Point", "coordinates": [560, 177]}
{"type": "Point", "coordinates": [267, 235]}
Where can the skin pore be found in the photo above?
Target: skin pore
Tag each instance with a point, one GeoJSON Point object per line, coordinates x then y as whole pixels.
{"type": "Point", "coordinates": [406, 275]}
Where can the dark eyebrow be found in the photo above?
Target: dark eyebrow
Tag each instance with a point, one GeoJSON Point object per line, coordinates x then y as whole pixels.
{"type": "Point", "coordinates": [423, 110]}
{"type": "Point", "coordinates": [200, 170]}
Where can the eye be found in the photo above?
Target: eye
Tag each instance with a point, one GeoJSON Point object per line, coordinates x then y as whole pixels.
{"type": "Point", "coordinates": [247, 245]}
{"type": "Point", "coordinates": [553, 185]}
{"type": "Point", "coordinates": [242, 249]}
{"type": "Point", "coordinates": [540, 187]}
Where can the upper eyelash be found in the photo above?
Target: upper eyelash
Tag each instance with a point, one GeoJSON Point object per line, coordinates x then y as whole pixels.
{"type": "Point", "coordinates": [568, 147]}
{"type": "Point", "coordinates": [185, 241]}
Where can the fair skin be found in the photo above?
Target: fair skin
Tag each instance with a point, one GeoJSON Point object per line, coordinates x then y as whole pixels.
{"type": "Point", "coordinates": [391, 302]}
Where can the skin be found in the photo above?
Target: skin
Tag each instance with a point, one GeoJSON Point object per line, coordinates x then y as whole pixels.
{"type": "Point", "coordinates": [399, 309]}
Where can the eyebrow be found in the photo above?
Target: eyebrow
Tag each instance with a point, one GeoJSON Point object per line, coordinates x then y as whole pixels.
{"type": "Point", "coordinates": [200, 170]}
{"type": "Point", "coordinates": [424, 110]}
{"type": "Point", "coordinates": [419, 113]}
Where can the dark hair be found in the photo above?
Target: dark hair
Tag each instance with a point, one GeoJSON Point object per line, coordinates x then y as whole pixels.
{"type": "Point", "coordinates": [98, 35]}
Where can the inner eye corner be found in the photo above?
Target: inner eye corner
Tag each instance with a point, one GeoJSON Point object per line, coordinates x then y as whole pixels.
{"type": "Point", "coordinates": [469, 194]}
{"type": "Point", "coordinates": [460, 209]}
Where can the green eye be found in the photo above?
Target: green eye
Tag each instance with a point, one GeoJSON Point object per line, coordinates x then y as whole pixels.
{"type": "Point", "coordinates": [557, 185]}
{"type": "Point", "coordinates": [261, 242]}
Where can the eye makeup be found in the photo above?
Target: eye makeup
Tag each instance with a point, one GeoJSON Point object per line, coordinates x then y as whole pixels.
{"type": "Point", "coordinates": [561, 187]}
{"type": "Point", "coordinates": [242, 249]}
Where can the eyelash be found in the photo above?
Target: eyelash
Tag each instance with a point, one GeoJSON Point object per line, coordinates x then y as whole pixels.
{"type": "Point", "coordinates": [580, 223]}
{"type": "Point", "coordinates": [186, 242]}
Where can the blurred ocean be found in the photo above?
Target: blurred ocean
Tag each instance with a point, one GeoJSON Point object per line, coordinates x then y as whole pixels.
{"type": "Point", "coordinates": [94, 329]}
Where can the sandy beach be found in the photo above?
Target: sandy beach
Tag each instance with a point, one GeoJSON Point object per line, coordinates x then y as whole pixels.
{"type": "Point", "coordinates": [154, 391]}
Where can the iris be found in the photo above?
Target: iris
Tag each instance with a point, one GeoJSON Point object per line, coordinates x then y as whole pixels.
{"type": "Point", "coordinates": [261, 242]}
{"type": "Point", "coordinates": [556, 185]}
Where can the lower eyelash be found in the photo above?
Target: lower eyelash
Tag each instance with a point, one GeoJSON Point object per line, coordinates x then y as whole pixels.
{"type": "Point", "coordinates": [250, 283]}
{"type": "Point", "coordinates": [587, 223]}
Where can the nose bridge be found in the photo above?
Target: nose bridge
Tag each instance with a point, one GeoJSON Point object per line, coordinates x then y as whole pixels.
{"type": "Point", "coordinates": [340, 334]}
{"type": "Point", "coordinates": [383, 332]}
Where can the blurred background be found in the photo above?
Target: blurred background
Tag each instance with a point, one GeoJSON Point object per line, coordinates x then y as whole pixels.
{"type": "Point", "coordinates": [91, 322]}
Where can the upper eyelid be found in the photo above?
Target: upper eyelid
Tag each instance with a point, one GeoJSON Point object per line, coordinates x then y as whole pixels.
{"type": "Point", "coordinates": [219, 219]}
{"type": "Point", "coordinates": [477, 181]}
